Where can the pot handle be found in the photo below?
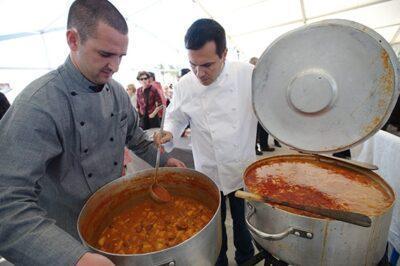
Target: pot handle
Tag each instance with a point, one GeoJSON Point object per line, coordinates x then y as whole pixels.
{"type": "Point", "coordinates": [170, 263]}
{"type": "Point", "coordinates": [277, 236]}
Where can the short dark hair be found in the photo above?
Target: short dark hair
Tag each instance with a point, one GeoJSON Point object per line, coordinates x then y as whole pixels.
{"type": "Point", "coordinates": [84, 15]}
{"type": "Point", "coordinates": [142, 73]}
{"type": "Point", "coordinates": [184, 71]}
{"type": "Point", "coordinates": [151, 74]}
{"type": "Point", "coordinates": [203, 31]}
{"type": "Point", "coordinates": [253, 61]}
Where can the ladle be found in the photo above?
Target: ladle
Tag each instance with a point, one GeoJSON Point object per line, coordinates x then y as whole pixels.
{"type": "Point", "coordinates": [344, 216]}
{"type": "Point", "coordinates": [158, 192]}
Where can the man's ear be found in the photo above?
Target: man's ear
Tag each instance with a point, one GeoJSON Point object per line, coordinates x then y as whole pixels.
{"type": "Point", "coordinates": [224, 54]}
{"type": "Point", "coordinates": [73, 39]}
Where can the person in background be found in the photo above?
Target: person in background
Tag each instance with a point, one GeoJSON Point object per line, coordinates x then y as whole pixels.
{"type": "Point", "coordinates": [183, 72]}
{"type": "Point", "coordinates": [187, 130]}
{"type": "Point", "coordinates": [394, 118]}
{"type": "Point", "coordinates": [131, 90]}
{"type": "Point", "coordinates": [262, 134]}
{"type": "Point", "coordinates": [148, 102]}
{"type": "Point", "coordinates": [4, 105]}
{"type": "Point", "coordinates": [63, 139]}
{"type": "Point", "coordinates": [168, 89]}
{"type": "Point", "coordinates": [216, 98]}
{"type": "Point", "coordinates": [160, 90]}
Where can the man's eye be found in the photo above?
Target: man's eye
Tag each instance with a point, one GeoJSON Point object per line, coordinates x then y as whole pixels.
{"type": "Point", "coordinates": [104, 54]}
{"type": "Point", "coordinates": [207, 65]}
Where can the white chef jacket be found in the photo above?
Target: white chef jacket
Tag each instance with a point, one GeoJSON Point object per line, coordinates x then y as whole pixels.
{"type": "Point", "coordinates": [222, 120]}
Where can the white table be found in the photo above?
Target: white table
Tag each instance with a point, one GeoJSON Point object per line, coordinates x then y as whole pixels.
{"type": "Point", "coordinates": [383, 150]}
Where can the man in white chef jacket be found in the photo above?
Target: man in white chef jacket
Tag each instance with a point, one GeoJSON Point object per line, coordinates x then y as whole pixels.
{"type": "Point", "coordinates": [216, 99]}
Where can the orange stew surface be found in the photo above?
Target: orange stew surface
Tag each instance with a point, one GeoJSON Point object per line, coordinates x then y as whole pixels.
{"type": "Point", "coordinates": [318, 184]}
{"type": "Point", "coordinates": [149, 226]}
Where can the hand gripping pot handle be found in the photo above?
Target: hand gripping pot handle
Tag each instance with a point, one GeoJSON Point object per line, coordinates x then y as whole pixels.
{"type": "Point", "coordinates": [277, 236]}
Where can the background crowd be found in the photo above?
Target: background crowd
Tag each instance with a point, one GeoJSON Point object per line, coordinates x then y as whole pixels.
{"type": "Point", "coordinates": [150, 97]}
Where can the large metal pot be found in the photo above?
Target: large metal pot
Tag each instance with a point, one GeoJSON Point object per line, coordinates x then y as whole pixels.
{"type": "Point", "coordinates": [201, 249]}
{"type": "Point", "coordinates": [304, 240]}
{"type": "Point", "coordinates": [324, 88]}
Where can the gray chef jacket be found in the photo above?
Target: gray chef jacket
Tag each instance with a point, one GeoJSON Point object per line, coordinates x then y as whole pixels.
{"type": "Point", "coordinates": [59, 143]}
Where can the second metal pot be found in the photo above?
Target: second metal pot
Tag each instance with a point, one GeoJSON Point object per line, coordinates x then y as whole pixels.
{"type": "Point", "coordinates": [303, 240]}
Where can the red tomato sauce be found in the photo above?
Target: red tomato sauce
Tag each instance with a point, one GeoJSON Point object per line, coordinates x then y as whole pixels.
{"type": "Point", "coordinates": [319, 184]}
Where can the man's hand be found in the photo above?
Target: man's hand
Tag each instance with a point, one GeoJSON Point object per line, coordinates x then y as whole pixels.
{"type": "Point", "coordinates": [172, 162]}
{"type": "Point", "coordinates": [93, 259]}
{"type": "Point", "coordinates": [156, 110]}
{"type": "Point", "coordinates": [159, 138]}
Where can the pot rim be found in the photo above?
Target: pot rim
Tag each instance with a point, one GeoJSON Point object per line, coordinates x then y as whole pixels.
{"type": "Point", "coordinates": [133, 176]}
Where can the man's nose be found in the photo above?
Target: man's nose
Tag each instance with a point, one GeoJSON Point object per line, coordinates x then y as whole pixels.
{"type": "Point", "coordinates": [114, 62]}
{"type": "Point", "coordinates": [200, 71]}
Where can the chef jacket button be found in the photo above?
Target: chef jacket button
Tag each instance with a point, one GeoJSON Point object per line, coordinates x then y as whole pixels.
{"type": "Point", "coordinates": [90, 175]}
{"type": "Point", "coordinates": [82, 123]}
{"type": "Point", "coordinates": [107, 89]}
{"type": "Point", "coordinates": [234, 127]}
{"type": "Point", "coordinates": [233, 109]}
{"type": "Point", "coordinates": [111, 139]}
{"type": "Point", "coordinates": [86, 150]}
{"type": "Point", "coordinates": [112, 114]}
{"type": "Point", "coordinates": [115, 163]}
{"type": "Point", "coordinates": [74, 93]}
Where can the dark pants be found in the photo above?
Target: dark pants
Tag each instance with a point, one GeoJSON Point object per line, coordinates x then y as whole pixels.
{"type": "Point", "coordinates": [262, 136]}
{"type": "Point", "coordinates": [346, 154]}
{"type": "Point", "coordinates": [147, 123]}
{"type": "Point", "coordinates": [241, 235]}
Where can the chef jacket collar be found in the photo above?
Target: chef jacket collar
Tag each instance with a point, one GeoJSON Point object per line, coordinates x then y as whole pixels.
{"type": "Point", "coordinates": [85, 85]}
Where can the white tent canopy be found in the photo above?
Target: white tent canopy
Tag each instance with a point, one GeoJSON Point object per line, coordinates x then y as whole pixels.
{"type": "Point", "coordinates": [32, 33]}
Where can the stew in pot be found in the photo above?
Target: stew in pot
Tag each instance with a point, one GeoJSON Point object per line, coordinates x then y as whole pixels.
{"type": "Point", "coordinates": [149, 226]}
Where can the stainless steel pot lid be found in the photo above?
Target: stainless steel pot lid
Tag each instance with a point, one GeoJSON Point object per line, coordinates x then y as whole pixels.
{"type": "Point", "coordinates": [326, 86]}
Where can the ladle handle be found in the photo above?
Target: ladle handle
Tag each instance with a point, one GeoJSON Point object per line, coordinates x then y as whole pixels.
{"type": "Point", "coordinates": [344, 216]}
{"type": "Point", "coordinates": [159, 148]}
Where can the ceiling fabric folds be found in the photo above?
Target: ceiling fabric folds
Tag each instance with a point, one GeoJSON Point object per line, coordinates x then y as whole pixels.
{"type": "Point", "coordinates": [32, 35]}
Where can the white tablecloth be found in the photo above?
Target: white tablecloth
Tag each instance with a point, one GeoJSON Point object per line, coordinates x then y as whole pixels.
{"type": "Point", "coordinates": [383, 150]}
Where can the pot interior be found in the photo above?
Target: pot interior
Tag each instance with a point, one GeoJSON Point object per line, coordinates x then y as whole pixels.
{"type": "Point", "coordinates": [127, 192]}
{"type": "Point", "coordinates": [315, 181]}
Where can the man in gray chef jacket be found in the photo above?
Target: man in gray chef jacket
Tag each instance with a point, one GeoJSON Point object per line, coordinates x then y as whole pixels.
{"type": "Point", "coordinates": [64, 138]}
